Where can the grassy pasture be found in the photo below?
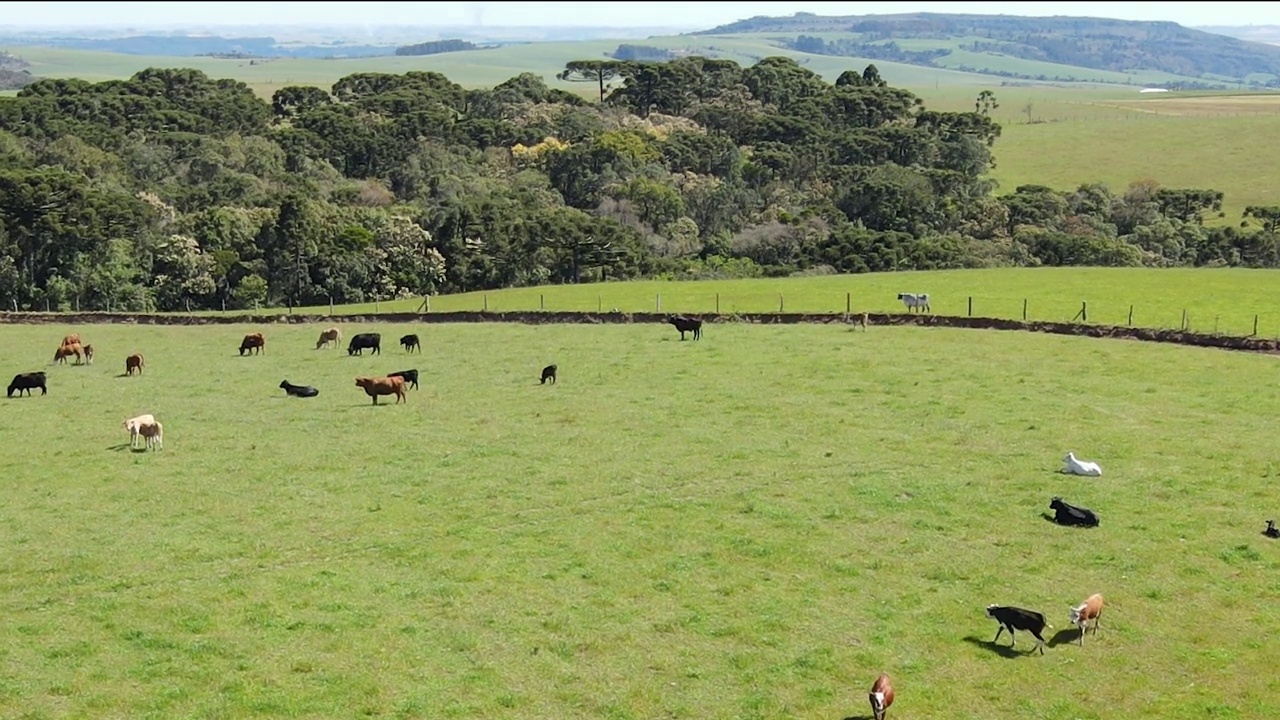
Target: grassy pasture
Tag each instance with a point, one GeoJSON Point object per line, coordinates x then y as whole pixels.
{"type": "Point", "coordinates": [726, 528]}
{"type": "Point", "coordinates": [1227, 297]}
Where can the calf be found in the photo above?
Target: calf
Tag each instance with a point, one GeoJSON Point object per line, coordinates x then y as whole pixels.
{"type": "Point", "coordinates": [154, 433]}
{"type": "Point", "coordinates": [881, 696]}
{"type": "Point", "coordinates": [1067, 514]}
{"type": "Point", "coordinates": [332, 335]}
{"type": "Point", "coordinates": [134, 426]}
{"type": "Point", "coordinates": [253, 343]}
{"type": "Point", "coordinates": [548, 373]}
{"type": "Point", "coordinates": [365, 341]}
{"type": "Point", "coordinates": [1090, 609]}
{"type": "Point", "coordinates": [686, 325]}
{"type": "Point", "coordinates": [88, 354]}
{"type": "Point", "coordinates": [133, 362]}
{"type": "Point", "coordinates": [1272, 531]}
{"type": "Point", "coordinates": [298, 390]}
{"type": "Point", "coordinates": [915, 301]}
{"type": "Point", "coordinates": [28, 382]}
{"type": "Point", "coordinates": [410, 342]}
{"type": "Point", "coordinates": [1015, 618]}
{"type": "Point", "coordinates": [409, 376]}
{"type": "Point", "coordinates": [373, 387]}
{"type": "Point", "coordinates": [1075, 466]}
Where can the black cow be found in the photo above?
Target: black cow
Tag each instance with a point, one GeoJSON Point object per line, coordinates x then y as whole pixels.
{"type": "Point", "coordinates": [1067, 514]}
{"type": "Point", "coordinates": [686, 324]}
{"type": "Point", "coordinates": [1272, 531]}
{"type": "Point", "coordinates": [298, 390]}
{"type": "Point", "coordinates": [409, 342]}
{"type": "Point", "coordinates": [548, 373]}
{"type": "Point", "coordinates": [365, 341]}
{"type": "Point", "coordinates": [410, 377]}
{"type": "Point", "coordinates": [28, 382]}
{"type": "Point", "coordinates": [1011, 618]}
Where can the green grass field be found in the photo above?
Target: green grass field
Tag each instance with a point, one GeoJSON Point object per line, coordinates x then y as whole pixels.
{"type": "Point", "coordinates": [752, 526]}
{"type": "Point", "coordinates": [1222, 300]}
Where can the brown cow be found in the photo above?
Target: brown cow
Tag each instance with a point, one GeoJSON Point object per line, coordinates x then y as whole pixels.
{"type": "Point", "coordinates": [133, 362]}
{"type": "Point", "coordinates": [332, 335]}
{"type": "Point", "coordinates": [65, 351]}
{"type": "Point", "coordinates": [252, 342]}
{"type": "Point", "coordinates": [72, 339]}
{"type": "Point", "coordinates": [373, 387]}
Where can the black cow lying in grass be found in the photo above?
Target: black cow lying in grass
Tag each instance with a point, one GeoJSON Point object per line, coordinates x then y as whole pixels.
{"type": "Point", "coordinates": [28, 382]}
{"type": "Point", "coordinates": [686, 324]}
{"type": "Point", "coordinates": [298, 390]}
{"type": "Point", "coordinates": [1067, 514]}
{"type": "Point", "coordinates": [1015, 618]}
{"type": "Point", "coordinates": [1272, 531]}
{"type": "Point", "coordinates": [410, 377]}
{"type": "Point", "coordinates": [548, 373]}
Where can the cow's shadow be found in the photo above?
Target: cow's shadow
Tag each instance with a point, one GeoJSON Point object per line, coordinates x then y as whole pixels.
{"type": "Point", "coordinates": [861, 717]}
{"type": "Point", "coordinates": [1003, 651]}
{"type": "Point", "coordinates": [122, 447]}
{"type": "Point", "coordinates": [1064, 636]}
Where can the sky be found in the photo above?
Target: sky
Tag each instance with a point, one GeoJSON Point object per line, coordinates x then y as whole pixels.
{"type": "Point", "coordinates": [699, 15]}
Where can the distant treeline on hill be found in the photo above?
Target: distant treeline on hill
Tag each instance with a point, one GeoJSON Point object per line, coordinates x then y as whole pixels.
{"type": "Point", "coordinates": [435, 47]}
{"type": "Point", "coordinates": [641, 53]}
{"type": "Point", "coordinates": [1094, 43]}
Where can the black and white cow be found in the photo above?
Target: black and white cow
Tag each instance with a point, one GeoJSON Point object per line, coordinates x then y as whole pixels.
{"type": "Point", "coordinates": [915, 301]}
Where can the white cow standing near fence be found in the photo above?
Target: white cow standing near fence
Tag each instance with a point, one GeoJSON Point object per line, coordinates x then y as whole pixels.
{"type": "Point", "coordinates": [916, 301]}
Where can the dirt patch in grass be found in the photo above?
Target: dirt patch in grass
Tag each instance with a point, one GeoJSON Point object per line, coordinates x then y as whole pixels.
{"type": "Point", "coordinates": [1179, 337]}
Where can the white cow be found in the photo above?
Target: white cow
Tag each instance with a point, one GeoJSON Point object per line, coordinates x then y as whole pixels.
{"type": "Point", "coordinates": [918, 301]}
{"type": "Point", "coordinates": [134, 426]}
{"type": "Point", "coordinates": [1081, 467]}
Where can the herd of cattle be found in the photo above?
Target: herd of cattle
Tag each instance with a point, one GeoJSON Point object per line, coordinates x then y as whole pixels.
{"type": "Point", "coordinates": [881, 696]}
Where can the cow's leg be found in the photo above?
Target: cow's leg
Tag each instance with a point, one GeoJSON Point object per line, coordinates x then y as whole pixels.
{"type": "Point", "coordinates": [997, 637]}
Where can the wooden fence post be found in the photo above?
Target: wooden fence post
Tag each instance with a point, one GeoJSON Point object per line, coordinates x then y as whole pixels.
{"type": "Point", "coordinates": [717, 303]}
{"type": "Point", "coordinates": [848, 299]}
{"type": "Point", "coordinates": [542, 304]}
{"type": "Point", "coordinates": [970, 306]}
{"type": "Point", "coordinates": [1255, 325]}
{"type": "Point", "coordinates": [1084, 310]}
{"type": "Point", "coordinates": [779, 302]}
{"type": "Point", "coordinates": [658, 300]}
{"type": "Point", "coordinates": [1130, 316]}
{"type": "Point", "coordinates": [1024, 309]}
{"type": "Point", "coordinates": [1184, 320]}
{"type": "Point", "coordinates": [428, 303]}
{"type": "Point", "coordinates": [330, 306]}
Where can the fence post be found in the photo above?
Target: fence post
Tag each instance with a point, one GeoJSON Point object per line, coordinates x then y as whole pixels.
{"type": "Point", "coordinates": [1024, 309]}
{"type": "Point", "coordinates": [224, 304]}
{"type": "Point", "coordinates": [1255, 324]}
{"type": "Point", "coordinates": [779, 302]}
{"type": "Point", "coordinates": [188, 301]}
{"type": "Point", "coordinates": [331, 305]}
{"type": "Point", "coordinates": [1130, 316]}
{"type": "Point", "coordinates": [1184, 320]}
{"type": "Point", "coordinates": [658, 301]}
{"type": "Point", "coordinates": [542, 302]}
{"type": "Point", "coordinates": [1084, 310]}
{"type": "Point", "coordinates": [486, 302]}
{"type": "Point", "coordinates": [428, 298]}
{"type": "Point", "coordinates": [377, 304]}
{"type": "Point", "coordinates": [848, 303]}
{"type": "Point", "coordinates": [717, 303]}
{"type": "Point", "coordinates": [970, 306]}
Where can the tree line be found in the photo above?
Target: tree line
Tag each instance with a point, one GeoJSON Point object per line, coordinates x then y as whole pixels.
{"type": "Point", "coordinates": [171, 190]}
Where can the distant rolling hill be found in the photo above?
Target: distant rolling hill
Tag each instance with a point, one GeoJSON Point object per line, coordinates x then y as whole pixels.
{"type": "Point", "coordinates": [1025, 47]}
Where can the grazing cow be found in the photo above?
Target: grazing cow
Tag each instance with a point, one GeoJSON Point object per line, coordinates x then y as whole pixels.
{"type": "Point", "coordinates": [373, 387]}
{"type": "Point", "coordinates": [365, 341]}
{"type": "Point", "coordinates": [134, 426]}
{"type": "Point", "coordinates": [133, 362]}
{"type": "Point", "coordinates": [1011, 618]}
{"type": "Point", "coordinates": [88, 354]}
{"type": "Point", "coordinates": [154, 434]}
{"type": "Point", "coordinates": [409, 376]}
{"type": "Point", "coordinates": [28, 382]}
{"type": "Point", "coordinates": [1272, 531]}
{"type": "Point", "coordinates": [915, 301]}
{"type": "Point", "coordinates": [1067, 514]}
{"type": "Point", "coordinates": [548, 373]}
{"type": "Point", "coordinates": [1090, 609]}
{"type": "Point", "coordinates": [1075, 466]}
{"type": "Point", "coordinates": [65, 351]}
{"type": "Point", "coordinates": [72, 339]}
{"type": "Point", "coordinates": [332, 335]}
{"type": "Point", "coordinates": [253, 342]}
{"type": "Point", "coordinates": [686, 324]}
{"type": "Point", "coordinates": [298, 390]}
{"type": "Point", "coordinates": [881, 696]}
{"type": "Point", "coordinates": [409, 342]}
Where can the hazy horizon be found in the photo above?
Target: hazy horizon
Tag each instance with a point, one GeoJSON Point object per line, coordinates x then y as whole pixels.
{"type": "Point", "coordinates": [56, 15]}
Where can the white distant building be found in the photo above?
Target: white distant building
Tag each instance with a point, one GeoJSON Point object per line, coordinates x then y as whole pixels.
{"type": "Point", "coordinates": [1145, 90]}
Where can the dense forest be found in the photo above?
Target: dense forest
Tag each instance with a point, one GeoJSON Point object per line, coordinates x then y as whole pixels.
{"type": "Point", "coordinates": [170, 190]}
{"type": "Point", "coordinates": [435, 47]}
{"type": "Point", "coordinates": [1096, 43]}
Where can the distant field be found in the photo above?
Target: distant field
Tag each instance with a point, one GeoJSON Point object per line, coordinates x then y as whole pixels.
{"type": "Point", "coordinates": [1224, 299]}
{"type": "Point", "coordinates": [749, 526]}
